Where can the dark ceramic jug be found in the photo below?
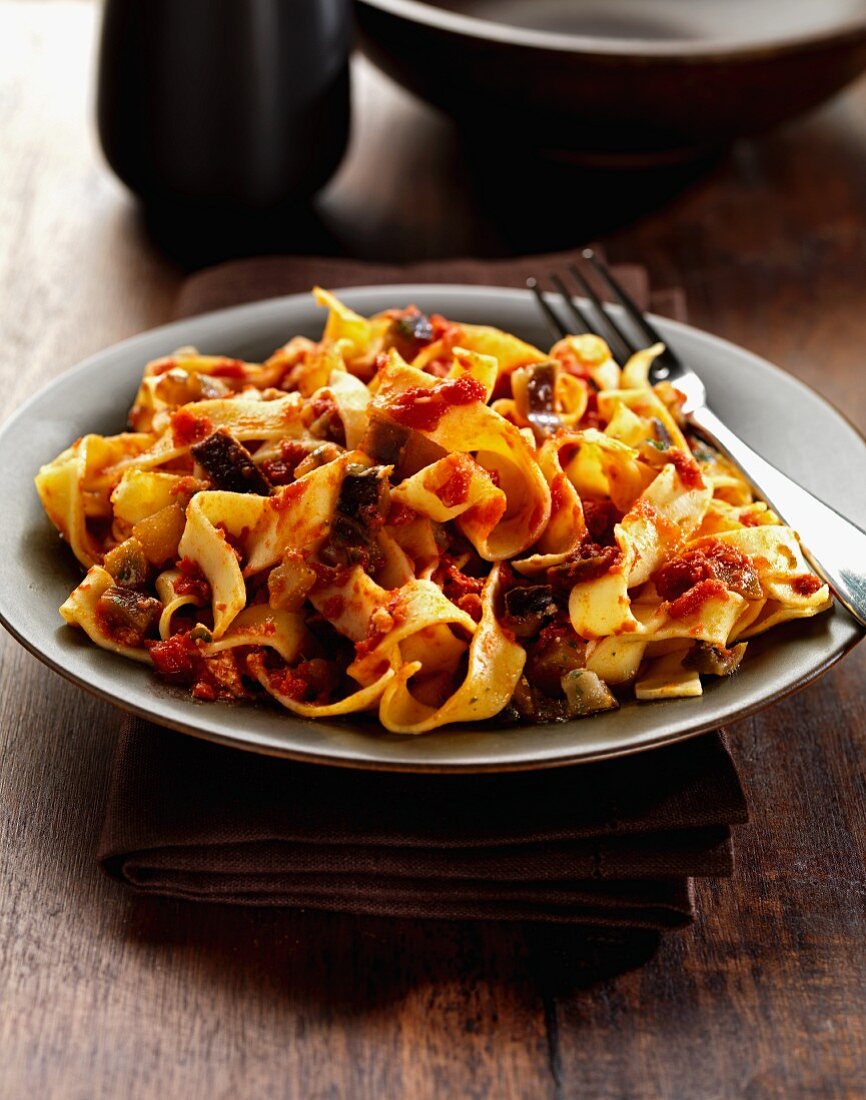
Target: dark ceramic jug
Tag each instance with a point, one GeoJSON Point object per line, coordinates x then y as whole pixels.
{"type": "Point", "coordinates": [224, 104]}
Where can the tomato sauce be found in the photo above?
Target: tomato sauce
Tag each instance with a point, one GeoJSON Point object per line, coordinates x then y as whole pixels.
{"type": "Point", "coordinates": [422, 408]}
{"type": "Point", "coordinates": [587, 563]}
{"type": "Point", "coordinates": [716, 561]}
{"type": "Point", "coordinates": [187, 487]}
{"type": "Point", "coordinates": [326, 415]}
{"type": "Point", "coordinates": [601, 516]}
{"type": "Point", "coordinates": [288, 495]}
{"type": "Point", "coordinates": [537, 515]}
{"type": "Point", "coordinates": [685, 465]}
{"type": "Point", "coordinates": [333, 607]}
{"type": "Point", "coordinates": [695, 598]}
{"type": "Point", "coordinates": [163, 368]}
{"type": "Point", "coordinates": [472, 605]}
{"type": "Point", "coordinates": [487, 513]}
{"type": "Point", "coordinates": [336, 576]}
{"type": "Point", "coordinates": [443, 329]}
{"type": "Point", "coordinates": [231, 368]}
{"type": "Point", "coordinates": [591, 418]}
{"type": "Point", "coordinates": [192, 581]}
{"type": "Point", "coordinates": [400, 514]}
{"type": "Point", "coordinates": [322, 404]}
{"type": "Point", "coordinates": [455, 490]}
{"type": "Point", "coordinates": [236, 542]}
{"type": "Point", "coordinates": [456, 585]}
{"type": "Point", "coordinates": [570, 363]}
{"type": "Point", "coordinates": [286, 682]}
{"type": "Point", "coordinates": [559, 495]}
{"type": "Point", "coordinates": [807, 584]}
{"type": "Point", "coordinates": [177, 659]}
{"type": "Point", "coordinates": [281, 471]}
{"type": "Point", "coordinates": [187, 428]}
{"type": "Point", "coordinates": [380, 626]}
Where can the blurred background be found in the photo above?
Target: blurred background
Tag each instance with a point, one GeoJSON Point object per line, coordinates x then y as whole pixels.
{"type": "Point", "coordinates": [500, 126]}
{"type": "Point", "coordinates": [554, 123]}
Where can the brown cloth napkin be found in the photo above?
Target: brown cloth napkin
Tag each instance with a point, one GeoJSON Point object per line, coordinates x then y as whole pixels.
{"type": "Point", "coordinates": [613, 844]}
{"type": "Point", "coordinates": [240, 281]}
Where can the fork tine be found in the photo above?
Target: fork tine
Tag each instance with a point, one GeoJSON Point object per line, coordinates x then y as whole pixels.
{"type": "Point", "coordinates": [621, 337]}
{"type": "Point", "coordinates": [581, 319]}
{"type": "Point", "coordinates": [633, 311]}
{"type": "Point", "coordinates": [555, 323]}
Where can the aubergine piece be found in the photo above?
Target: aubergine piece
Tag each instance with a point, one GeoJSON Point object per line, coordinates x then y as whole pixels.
{"type": "Point", "coordinates": [290, 582]}
{"type": "Point", "coordinates": [159, 535]}
{"type": "Point", "coordinates": [534, 390]}
{"type": "Point", "coordinates": [533, 705]}
{"type": "Point", "coordinates": [528, 608]}
{"type": "Point", "coordinates": [328, 425]}
{"type": "Point", "coordinates": [393, 444]}
{"type": "Point", "coordinates": [523, 700]}
{"type": "Point", "coordinates": [126, 615]}
{"type": "Point", "coordinates": [229, 465]}
{"type": "Point", "coordinates": [412, 324]}
{"type": "Point", "coordinates": [362, 495]}
{"type": "Point", "coordinates": [418, 453]}
{"type": "Point", "coordinates": [586, 693]}
{"type": "Point", "coordinates": [359, 516]}
{"type": "Point", "coordinates": [410, 332]}
{"type": "Point", "coordinates": [663, 436]}
{"type": "Point", "coordinates": [587, 563]}
{"type": "Point", "coordinates": [128, 564]}
{"type": "Point", "coordinates": [714, 660]}
{"type": "Point", "coordinates": [553, 656]}
{"type": "Point", "coordinates": [319, 456]}
{"type": "Point", "coordinates": [385, 439]}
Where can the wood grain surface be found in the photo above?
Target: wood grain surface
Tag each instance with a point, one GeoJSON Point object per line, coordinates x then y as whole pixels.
{"type": "Point", "coordinates": [104, 994]}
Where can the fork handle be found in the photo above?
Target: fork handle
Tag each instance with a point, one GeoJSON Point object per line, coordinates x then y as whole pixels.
{"type": "Point", "coordinates": [835, 546]}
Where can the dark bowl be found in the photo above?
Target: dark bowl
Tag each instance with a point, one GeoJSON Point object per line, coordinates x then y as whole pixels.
{"type": "Point", "coordinates": [617, 81]}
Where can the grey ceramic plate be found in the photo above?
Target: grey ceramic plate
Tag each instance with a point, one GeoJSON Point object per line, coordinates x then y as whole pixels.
{"type": "Point", "coordinates": [790, 424]}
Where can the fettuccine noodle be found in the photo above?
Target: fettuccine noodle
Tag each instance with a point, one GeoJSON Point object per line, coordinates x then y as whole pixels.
{"type": "Point", "coordinates": [428, 520]}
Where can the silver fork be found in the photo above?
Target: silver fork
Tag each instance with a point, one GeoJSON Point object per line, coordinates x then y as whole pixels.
{"type": "Point", "coordinates": [835, 546]}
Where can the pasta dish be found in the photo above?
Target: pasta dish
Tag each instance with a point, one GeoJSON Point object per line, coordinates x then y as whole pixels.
{"type": "Point", "coordinates": [428, 520]}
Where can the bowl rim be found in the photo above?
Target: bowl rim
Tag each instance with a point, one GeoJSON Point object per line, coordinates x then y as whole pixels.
{"type": "Point", "coordinates": [710, 49]}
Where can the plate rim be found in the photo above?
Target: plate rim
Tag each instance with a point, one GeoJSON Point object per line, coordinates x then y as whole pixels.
{"type": "Point", "coordinates": [331, 756]}
{"type": "Point", "coordinates": [426, 768]}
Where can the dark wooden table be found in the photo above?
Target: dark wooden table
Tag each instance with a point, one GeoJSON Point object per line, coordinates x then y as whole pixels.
{"type": "Point", "coordinates": [104, 994]}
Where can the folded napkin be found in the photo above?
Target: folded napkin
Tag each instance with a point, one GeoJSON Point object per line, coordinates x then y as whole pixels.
{"type": "Point", "coordinates": [239, 281]}
{"type": "Point", "coordinates": [613, 844]}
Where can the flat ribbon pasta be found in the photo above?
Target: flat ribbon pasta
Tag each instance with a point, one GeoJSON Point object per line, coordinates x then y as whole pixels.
{"type": "Point", "coordinates": [361, 700]}
{"type": "Point", "coordinates": [74, 485]}
{"type": "Point", "coordinates": [495, 665]}
{"type": "Point", "coordinates": [427, 519]}
{"type": "Point", "coordinates": [209, 518]}
{"type": "Point", "coordinates": [298, 515]}
{"type": "Point", "coordinates": [472, 427]}
{"type": "Point", "coordinates": [80, 609]}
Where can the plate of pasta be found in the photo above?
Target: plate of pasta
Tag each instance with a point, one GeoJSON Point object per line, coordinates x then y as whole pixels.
{"type": "Point", "coordinates": [394, 527]}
